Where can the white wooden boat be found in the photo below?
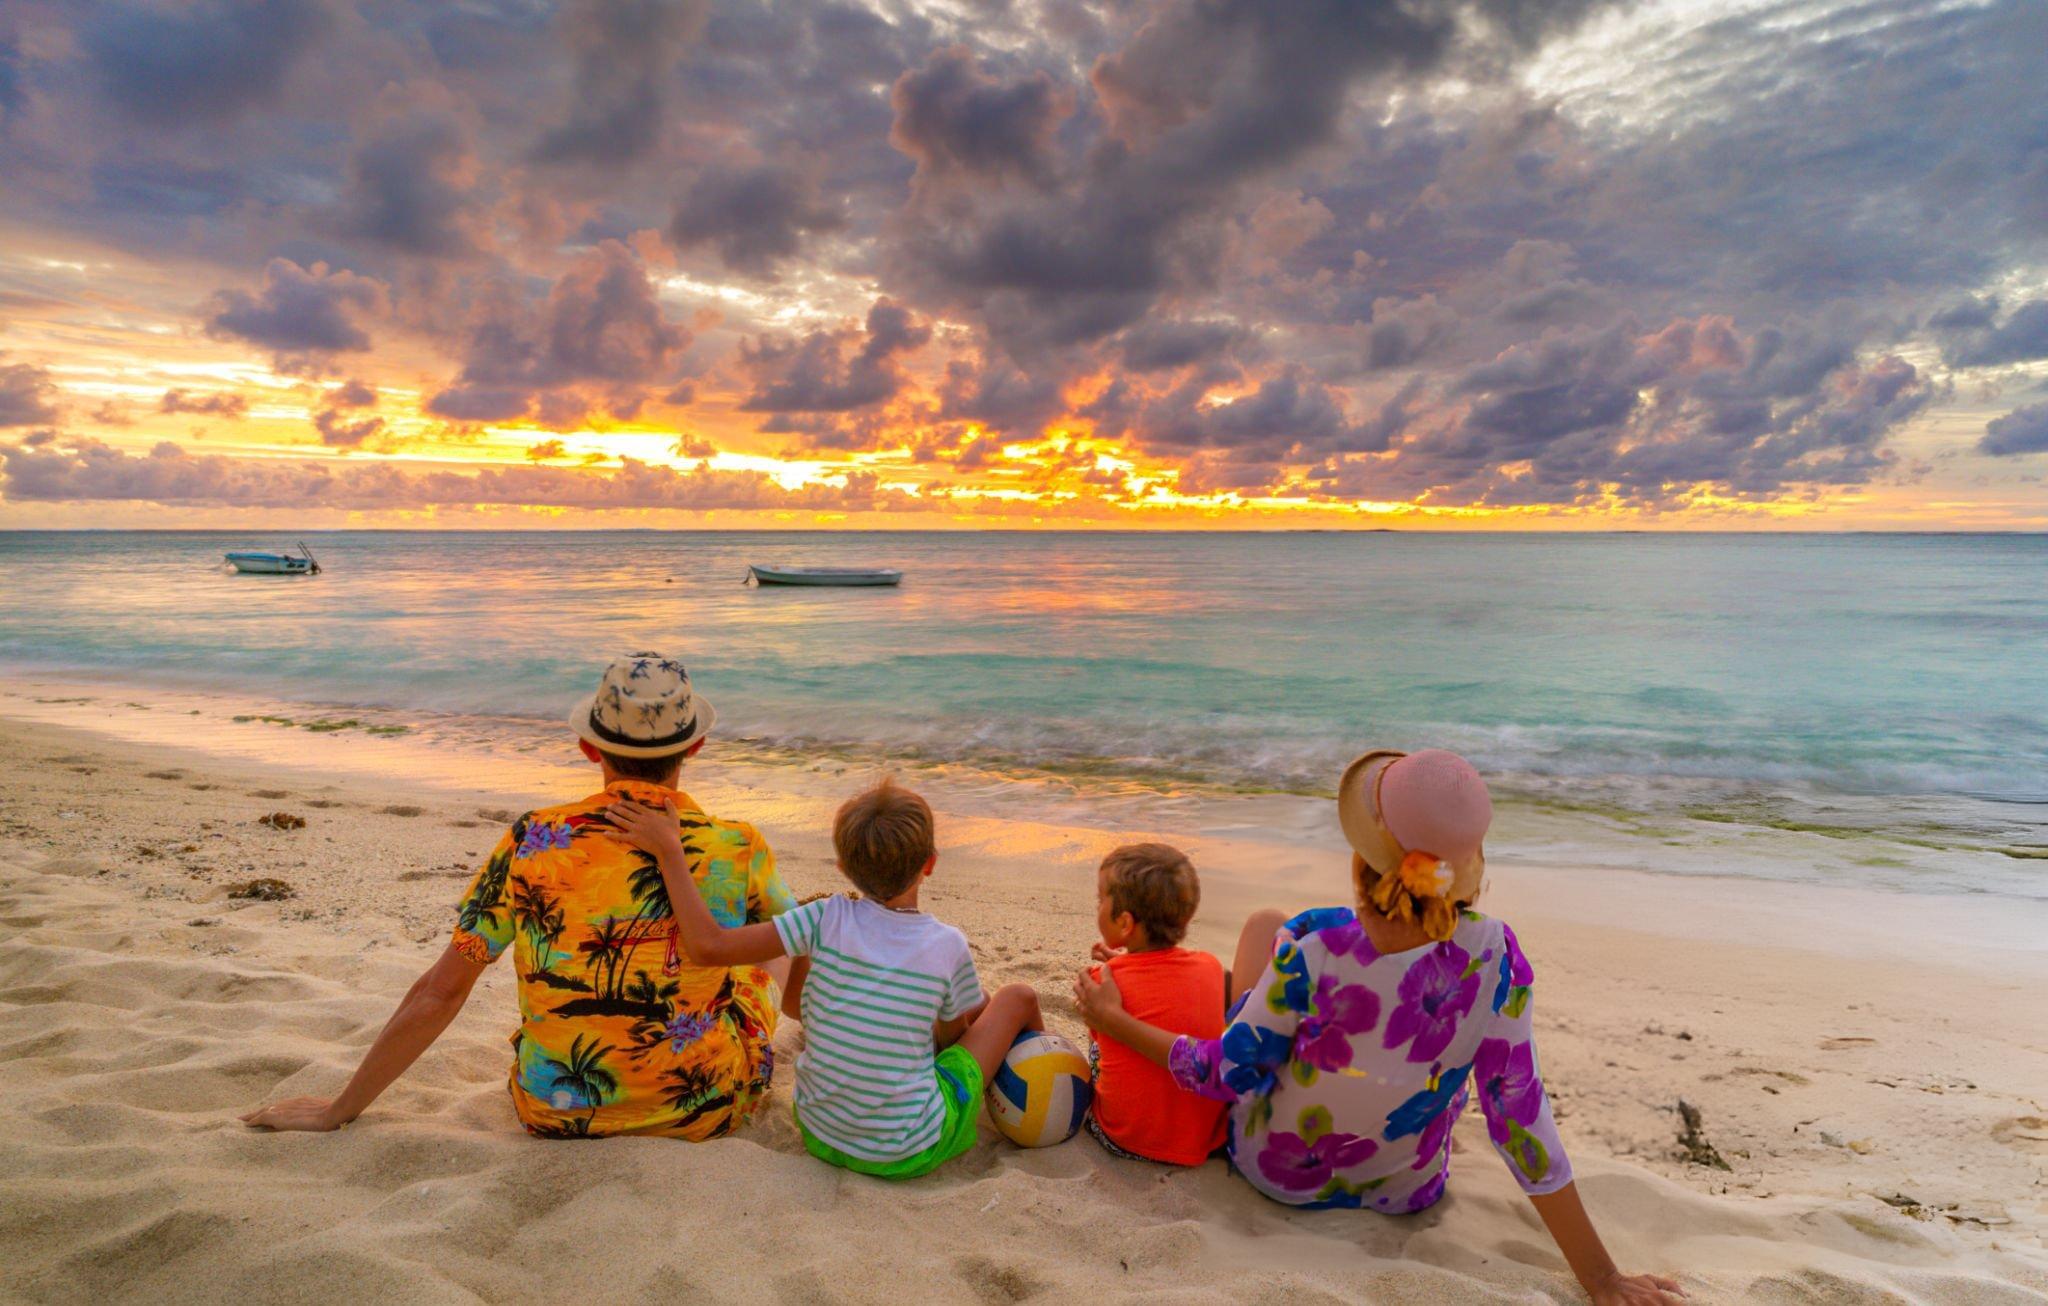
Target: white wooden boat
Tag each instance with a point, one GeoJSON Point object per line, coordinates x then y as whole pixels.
{"type": "Point", "coordinates": [763, 575]}
{"type": "Point", "coordinates": [275, 564]}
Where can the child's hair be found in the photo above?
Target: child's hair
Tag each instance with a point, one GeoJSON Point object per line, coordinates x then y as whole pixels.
{"type": "Point", "coordinates": [1157, 885]}
{"type": "Point", "coordinates": [883, 837]}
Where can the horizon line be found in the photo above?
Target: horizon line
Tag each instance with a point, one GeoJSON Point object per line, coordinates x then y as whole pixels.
{"type": "Point", "coordinates": [1018, 530]}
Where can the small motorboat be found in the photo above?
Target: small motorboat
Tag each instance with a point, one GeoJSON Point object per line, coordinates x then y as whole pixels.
{"type": "Point", "coordinates": [272, 564]}
{"type": "Point", "coordinates": [761, 575]}
{"type": "Point", "coordinates": [276, 564]}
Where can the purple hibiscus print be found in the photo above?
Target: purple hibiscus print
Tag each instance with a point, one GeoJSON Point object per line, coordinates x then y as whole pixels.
{"type": "Point", "coordinates": [1349, 940]}
{"type": "Point", "coordinates": [1435, 1142]}
{"type": "Point", "coordinates": [542, 837]}
{"type": "Point", "coordinates": [687, 1028]}
{"type": "Point", "coordinates": [1293, 1164]}
{"type": "Point", "coordinates": [1509, 1090]}
{"type": "Point", "coordinates": [1427, 1195]}
{"type": "Point", "coordinates": [1339, 1012]}
{"type": "Point", "coordinates": [1435, 995]}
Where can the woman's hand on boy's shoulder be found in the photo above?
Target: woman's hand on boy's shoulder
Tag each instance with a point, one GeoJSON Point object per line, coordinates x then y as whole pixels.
{"type": "Point", "coordinates": [1098, 998]}
{"type": "Point", "coordinates": [650, 829]}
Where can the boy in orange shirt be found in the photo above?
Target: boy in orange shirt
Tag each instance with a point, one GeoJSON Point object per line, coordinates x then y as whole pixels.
{"type": "Point", "coordinates": [1146, 894]}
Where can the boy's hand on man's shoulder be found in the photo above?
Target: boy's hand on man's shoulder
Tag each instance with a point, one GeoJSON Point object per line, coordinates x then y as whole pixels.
{"type": "Point", "coordinates": [650, 829]}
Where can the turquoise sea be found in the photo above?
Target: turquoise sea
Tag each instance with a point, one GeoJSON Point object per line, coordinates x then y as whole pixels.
{"type": "Point", "coordinates": [1888, 683]}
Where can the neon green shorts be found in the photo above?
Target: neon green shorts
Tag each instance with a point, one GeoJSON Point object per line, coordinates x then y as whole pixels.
{"type": "Point", "coordinates": [960, 1086]}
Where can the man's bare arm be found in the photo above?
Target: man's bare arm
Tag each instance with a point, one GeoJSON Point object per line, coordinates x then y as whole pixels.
{"type": "Point", "coordinates": [422, 1014]}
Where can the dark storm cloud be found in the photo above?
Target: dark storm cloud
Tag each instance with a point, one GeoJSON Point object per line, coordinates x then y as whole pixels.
{"type": "Point", "coordinates": [412, 179]}
{"type": "Point", "coordinates": [1875, 185]}
{"type": "Point", "coordinates": [598, 339]}
{"type": "Point", "coordinates": [1648, 416]}
{"type": "Point", "coordinates": [166, 65]}
{"type": "Point", "coordinates": [1203, 98]}
{"type": "Point", "coordinates": [27, 396]}
{"type": "Point", "coordinates": [824, 373]}
{"type": "Point", "coordinates": [1525, 24]}
{"type": "Point", "coordinates": [1158, 346]}
{"type": "Point", "coordinates": [1977, 340]}
{"type": "Point", "coordinates": [1968, 314]}
{"type": "Point", "coordinates": [333, 420]}
{"type": "Point", "coordinates": [1289, 417]}
{"type": "Point", "coordinates": [1654, 203]}
{"type": "Point", "coordinates": [352, 394]}
{"type": "Point", "coordinates": [2023, 430]}
{"type": "Point", "coordinates": [13, 96]}
{"type": "Point", "coordinates": [753, 216]}
{"type": "Point", "coordinates": [80, 470]}
{"type": "Point", "coordinates": [220, 403]}
{"type": "Point", "coordinates": [149, 191]}
{"type": "Point", "coordinates": [1404, 332]}
{"type": "Point", "coordinates": [339, 431]}
{"type": "Point", "coordinates": [996, 393]}
{"type": "Point", "coordinates": [300, 310]}
{"type": "Point", "coordinates": [953, 118]}
{"type": "Point", "coordinates": [623, 52]}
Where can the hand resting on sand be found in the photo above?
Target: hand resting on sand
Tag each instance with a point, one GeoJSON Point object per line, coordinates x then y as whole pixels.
{"type": "Point", "coordinates": [314, 1115]}
{"type": "Point", "coordinates": [1635, 1290]}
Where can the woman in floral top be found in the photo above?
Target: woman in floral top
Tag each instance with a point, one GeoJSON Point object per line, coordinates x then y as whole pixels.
{"type": "Point", "coordinates": [1357, 1038]}
{"type": "Point", "coordinates": [1335, 1037]}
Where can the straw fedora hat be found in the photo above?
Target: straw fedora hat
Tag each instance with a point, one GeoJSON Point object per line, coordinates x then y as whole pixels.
{"type": "Point", "coordinates": [643, 707]}
{"type": "Point", "coordinates": [1392, 804]}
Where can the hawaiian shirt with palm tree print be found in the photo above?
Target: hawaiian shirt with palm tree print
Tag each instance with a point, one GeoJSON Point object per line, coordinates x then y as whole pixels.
{"type": "Point", "coordinates": [618, 1032]}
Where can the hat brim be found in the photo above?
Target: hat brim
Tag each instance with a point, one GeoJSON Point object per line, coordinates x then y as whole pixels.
{"type": "Point", "coordinates": [579, 721]}
{"type": "Point", "coordinates": [1365, 829]}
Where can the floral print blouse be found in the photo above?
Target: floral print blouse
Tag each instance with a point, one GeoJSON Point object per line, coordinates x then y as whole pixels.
{"type": "Point", "coordinates": [618, 1032]}
{"type": "Point", "coordinates": [1346, 1069]}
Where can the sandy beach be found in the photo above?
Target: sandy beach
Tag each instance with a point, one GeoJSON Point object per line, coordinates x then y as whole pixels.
{"type": "Point", "coordinates": [1869, 1066]}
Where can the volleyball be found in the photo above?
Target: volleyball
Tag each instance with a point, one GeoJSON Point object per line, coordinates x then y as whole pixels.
{"type": "Point", "coordinates": [1041, 1091]}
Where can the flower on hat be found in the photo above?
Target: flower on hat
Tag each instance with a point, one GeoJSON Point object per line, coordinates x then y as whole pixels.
{"type": "Point", "coordinates": [1416, 890]}
{"type": "Point", "coordinates": [1425, 875]}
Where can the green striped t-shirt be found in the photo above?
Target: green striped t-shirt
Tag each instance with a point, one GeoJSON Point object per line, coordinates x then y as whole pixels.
{"type": "Point", "coordinates": [866, 1082]}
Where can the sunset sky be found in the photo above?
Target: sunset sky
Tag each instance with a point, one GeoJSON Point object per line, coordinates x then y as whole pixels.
{"type": "Point", "coordinates": [945, 263]}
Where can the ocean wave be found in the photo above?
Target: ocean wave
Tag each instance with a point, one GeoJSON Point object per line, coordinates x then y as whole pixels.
{"type": "Point", "coordinates": [1219, 748]}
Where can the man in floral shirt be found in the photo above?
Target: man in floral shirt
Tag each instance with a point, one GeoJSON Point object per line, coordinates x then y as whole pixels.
{"type": "Point", "coordinates": [618, 1032]}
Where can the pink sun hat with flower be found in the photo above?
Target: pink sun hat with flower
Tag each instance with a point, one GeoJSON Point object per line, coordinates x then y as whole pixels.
{"type": "Point", "coordinates": [1396, 805]}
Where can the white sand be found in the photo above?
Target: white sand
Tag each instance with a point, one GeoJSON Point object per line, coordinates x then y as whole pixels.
{"type": "Point", "coordinates": [1842, 1046]}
